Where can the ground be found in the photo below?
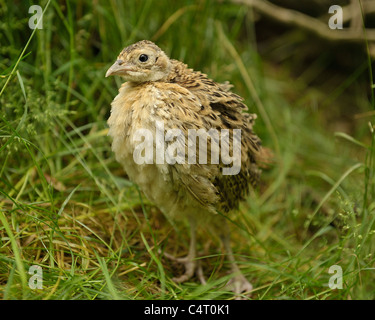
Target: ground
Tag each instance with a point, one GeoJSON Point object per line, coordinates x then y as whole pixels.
{"type": "Point", "coordinates": [65, 204]}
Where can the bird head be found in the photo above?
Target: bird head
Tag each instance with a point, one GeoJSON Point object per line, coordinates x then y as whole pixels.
{"type": "Point", "coordinates": [142, 61]}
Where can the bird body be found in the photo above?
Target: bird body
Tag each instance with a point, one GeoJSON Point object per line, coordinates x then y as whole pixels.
{"type": "Point", "coordinates": [162, 95]}
{"type": "Point", "coordinates": [141, 107]}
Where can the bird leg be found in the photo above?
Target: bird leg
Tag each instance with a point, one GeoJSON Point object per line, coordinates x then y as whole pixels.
{"type": "Point", "coordinates": [190, 262]}
{"type": "Point", "coordinates": [238, 284]}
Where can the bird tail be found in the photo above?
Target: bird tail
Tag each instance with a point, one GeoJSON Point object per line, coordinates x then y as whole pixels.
{"type": "Point", "coordinates": [265, 158]}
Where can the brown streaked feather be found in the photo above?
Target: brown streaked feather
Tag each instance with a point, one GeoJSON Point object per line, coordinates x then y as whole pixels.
{"type": "Point", "coordinates": [221, 109]}
{"type": "Point", "coordinates": [185, 99]}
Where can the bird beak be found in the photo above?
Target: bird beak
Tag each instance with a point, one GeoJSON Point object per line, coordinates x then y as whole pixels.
{"type": "Point", "coordinates": [118, 68]}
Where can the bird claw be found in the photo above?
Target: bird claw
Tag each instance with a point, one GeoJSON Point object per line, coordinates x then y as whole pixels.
{"type": "Point", "coordinates": [240, 286]}
{"type": "Point", "coordinates": [192, 266]}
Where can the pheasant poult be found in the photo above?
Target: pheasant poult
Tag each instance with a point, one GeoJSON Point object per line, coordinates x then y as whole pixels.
{"type": "Point", "coordinates": [164, 94]}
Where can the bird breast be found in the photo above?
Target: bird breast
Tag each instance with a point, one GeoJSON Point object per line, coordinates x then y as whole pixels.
{"type": "Point", "coordinates": [141, 107]}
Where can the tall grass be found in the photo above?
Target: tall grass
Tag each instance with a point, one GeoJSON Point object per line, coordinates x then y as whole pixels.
{"type": "Point", "coordinates": [66, 206]}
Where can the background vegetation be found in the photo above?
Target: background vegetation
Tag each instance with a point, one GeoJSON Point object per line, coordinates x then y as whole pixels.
{"type": "Point", "coordinates": [66, 206]}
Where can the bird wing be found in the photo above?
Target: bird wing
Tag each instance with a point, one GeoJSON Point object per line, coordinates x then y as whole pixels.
{"type": "Point", "coordinates": [181, 110]}
{"type": "Point", "coordinates": [197, 106]}
{"type": "Point", "coordinates": [224, 109]}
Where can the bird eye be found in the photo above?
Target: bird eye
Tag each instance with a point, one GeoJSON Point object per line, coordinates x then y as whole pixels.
{"type": "Point", "coordinates": [143, 57]}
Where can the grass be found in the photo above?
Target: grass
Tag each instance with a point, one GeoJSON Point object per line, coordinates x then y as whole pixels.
{"type": "Point", "coordinates": [66, 206]}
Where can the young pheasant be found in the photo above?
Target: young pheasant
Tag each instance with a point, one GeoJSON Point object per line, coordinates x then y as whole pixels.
{"type": "Point", "coordinates": [164, 94]}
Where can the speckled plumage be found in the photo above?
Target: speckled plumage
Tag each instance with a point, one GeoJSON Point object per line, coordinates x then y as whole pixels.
{"type": "Point", "coordinates": [166, 90]}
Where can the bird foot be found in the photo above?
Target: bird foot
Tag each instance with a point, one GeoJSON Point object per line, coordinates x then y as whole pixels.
{"type": "Point", "coordinates": [240, 286]}
{"type": "Point", "coordinates": [192, 266]}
